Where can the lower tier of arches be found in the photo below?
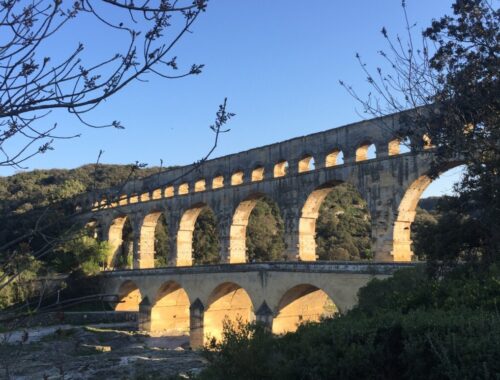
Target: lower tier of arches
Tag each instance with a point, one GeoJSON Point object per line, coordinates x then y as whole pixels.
{"type": "Point", "coordinates": [172, 313]}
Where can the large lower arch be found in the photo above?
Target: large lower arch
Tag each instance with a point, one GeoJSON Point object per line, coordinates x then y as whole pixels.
{"type": "Point", "coordinates": [401, 237]}
{"type": "Point", "coordinates": [129, 297]}
{"type": "Point", "coordinates": [116, 242]}
{"type": "Point", "coordinates": [146, 254]}
{"type": "Point", "coordinates": [185, 235]}
{"type": "Point", "coordinates": [170, 311]}
{"type": "Point", "coordinates": [228, 302]}
{"type": "Point", "coordinates": [302, 303]}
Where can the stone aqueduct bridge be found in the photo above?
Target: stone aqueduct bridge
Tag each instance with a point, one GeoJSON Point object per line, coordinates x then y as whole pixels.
{"type": "Point", "coordinates": [196, 298]}
{"type": "Point", "coordinates": [391, 183]}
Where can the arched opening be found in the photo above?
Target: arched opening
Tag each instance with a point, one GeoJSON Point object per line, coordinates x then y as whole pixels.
{"type": "Point", "coordinates": [183, 189]}
{"type": "Point", "coordinates": [366, 151]}
{"type": "Point", "coordinates": [162, 243]}
{"type": "Point", "coordinates": [332, 158]}
{"type": "Point", "coordinates": [237, 178]}
{"type": "Point", "coordinates": [399, 146]}
{"type": "Point", "coordinates": [133, 198]}
{"type": "Point", "coordinates": [123, 200]}
{"type": "Point", "coordinates": [206, 247]}
{"type": "Point", "coordinates": [169, 191]}
{"type": "Point", "coordinates": [258, 174]}
{"type": "Point", "coordinates": [306, 164]}
{"type": "Point", "coordinates": [303, 303]}
{"type": "Point", "coordinates": [200, 185]}
{"type": "Point", "coordinates": [280, 169]}
{"type": "Point", "coordinates": [146, 256]}
{"type": "Point", "coordinates": [264, 227]}
{"type": "Point", "coordinates": [407, 210]}
{"type": "Point", "coordinates": [228, 302]}
{"type": "Point", "coordinates": [129, 297]}
{"type": "Point", "coordinates": [204, 252]}
{"type": "Point", "coordinates": [121, 240]}
{"type": "Point", "coordinates": [156, 194]}
{"type": "Point", "coordinates": [218, 182]}
{"type": "Point", "coordinates": [170, 311]}
{"type": "Point", "coordinates": [343, 230]}
{"type": "Point", "coordinates": [145, 197]}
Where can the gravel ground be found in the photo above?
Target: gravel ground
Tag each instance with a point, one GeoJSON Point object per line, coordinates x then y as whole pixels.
{"type": "Point", "coordinates": [95, 352]}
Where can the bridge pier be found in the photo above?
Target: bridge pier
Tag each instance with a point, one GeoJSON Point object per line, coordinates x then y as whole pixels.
{"type": "Point", "coordinates": [264, 315]}
{"type": "Point", "coordinates": [196, 330]}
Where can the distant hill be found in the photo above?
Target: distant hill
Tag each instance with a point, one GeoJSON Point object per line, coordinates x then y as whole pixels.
{"type": "Point", "coordinates": [27, 190]}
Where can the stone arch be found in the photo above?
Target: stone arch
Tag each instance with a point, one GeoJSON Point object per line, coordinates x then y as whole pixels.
{"type": "Point", "coordinates": [200, 185]}
{"type": "Point", "coordinates": [237, 178]}
{"type": "Point", "coordinates": [183, 189]}
{"type": "Point", "coordinates": [398, 145]}
{"type": "Point", "coordinates": [280, 169]}
{"type": "Point", "coordinates": [333, 158]}
{"type": "Point", "coordinates": [238, 229]}
{"type": "Point", "coordinates": [306, 163]}
{"type": "Point", "coordinates": [227, 302]}
{"type": "Point", "coordinates": [307, 221]}
{"type": "Point", "coordinates": [170, 311]}
{"type": "Point", "coordinates": [146, 255]}
{"type": "Point", "coordinates": [365, 151]}
{"type": "Point", "coordinates": [129, 297]}
{"type": "Point", "coordinates": [185, 235]}
{"type": "Point", "coordinates": [300, 304]}
{"type": "Point", "coordinates": [401, 234]}
{"type": "Point", "coordinates": [218, 182]}
{"type": "Point", "coordinates": [257, 173]}
{"type": "Point", "coordinates": [115, 239]}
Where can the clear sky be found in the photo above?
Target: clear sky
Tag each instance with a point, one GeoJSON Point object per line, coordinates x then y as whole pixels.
{"type": "Point", "coordinates": [278, 63]}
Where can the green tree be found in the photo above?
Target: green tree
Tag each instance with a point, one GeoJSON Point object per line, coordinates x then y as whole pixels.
{"type": "Point", "coordinates": [162, 241]}
{"type": "Point", "coordinates": [343, 227]}
{"type": "Point", "coordinates": [265, 233]}
{"type": "Point", "coordinates": [83, 253]}
{"type": "Point", "coordinates": [206, 239]}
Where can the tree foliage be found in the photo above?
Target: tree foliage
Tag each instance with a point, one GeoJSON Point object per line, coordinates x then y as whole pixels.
{"type": "Point", "coordinates": [206, 239]}
{"type": "Point", "coordinates": [343, 228]}
{"type": "Point", "coordinates": [265, 233]}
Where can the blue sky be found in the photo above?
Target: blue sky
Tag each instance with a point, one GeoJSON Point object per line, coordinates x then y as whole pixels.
{"type": "Point", "coordinates": [278, 63]}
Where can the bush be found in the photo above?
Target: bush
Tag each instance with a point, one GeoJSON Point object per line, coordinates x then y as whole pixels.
{"type": "Point", "coordinates": [83, 253]}
{"type": "Point", "coordinates": [410, 326]}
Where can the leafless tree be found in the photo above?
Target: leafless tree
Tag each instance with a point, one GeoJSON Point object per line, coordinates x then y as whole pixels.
{"type": "Point", "coordinates": [35, 82]}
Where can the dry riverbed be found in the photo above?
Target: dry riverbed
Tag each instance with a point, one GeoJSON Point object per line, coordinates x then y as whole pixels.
{"type": "Point", "coordinates": [98, 352]}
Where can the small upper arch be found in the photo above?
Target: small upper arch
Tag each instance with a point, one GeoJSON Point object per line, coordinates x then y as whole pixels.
{"type": "Point", "coordinates": [334, 157]}
{"type": "Point", "coordinates": [366, 150]}
{"type": "Point", "coordinates": [280, 169]}
{"type": "Point", "coordinates": [237, 177]}
{"type": "Point", "coordinates": [257, 173]}
{"type": "Point", "coordinates": [306, 163]}
{"type": "Point", "coordinates": [218, 182]}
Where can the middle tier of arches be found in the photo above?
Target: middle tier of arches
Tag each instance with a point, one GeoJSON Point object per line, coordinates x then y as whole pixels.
{"type": "Point", "coordinates": [231, 224]}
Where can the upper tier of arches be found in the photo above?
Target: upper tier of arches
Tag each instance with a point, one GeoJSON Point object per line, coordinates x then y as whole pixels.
{"type": "Point", "coordinates": [345, 145]}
